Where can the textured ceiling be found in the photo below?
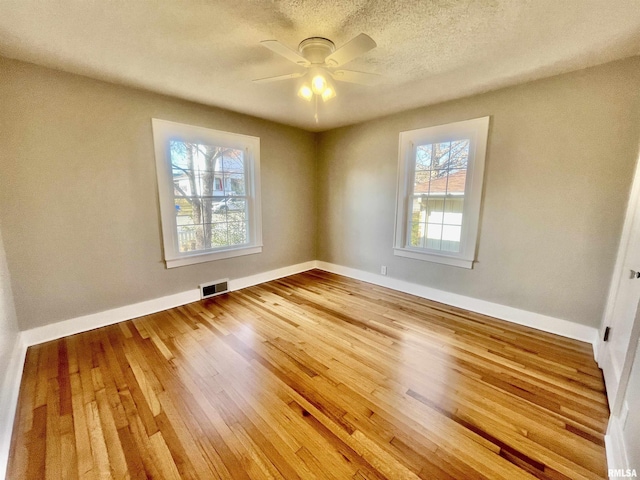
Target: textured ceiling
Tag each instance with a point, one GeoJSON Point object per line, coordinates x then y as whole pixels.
{"type": "Point", "coordinates": [428, 51]}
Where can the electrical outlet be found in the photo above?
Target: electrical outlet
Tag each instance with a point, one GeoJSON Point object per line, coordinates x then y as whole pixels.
{"type": "Point", "coordinates": [383, 270]}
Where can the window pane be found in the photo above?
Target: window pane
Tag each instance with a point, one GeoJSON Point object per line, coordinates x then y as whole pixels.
{"type": "Point", "coordinates": [453, 211]}
{"type": "Point", "coordinates": [434, 235]}
{"type": "Point", "coordinates": [418, 234]}
{"type": "Point", "coordinates": [188, 211]}
{"type": "Point", "coordinates": [229, 221]}
{"type": "Point", "coordinates": [219, 208]}
{"type": "Point", "coordinates": [234, 184]}
{"type": "Point", "coordinates": [224, 219]}
{"type": "Point", "coordinates": [219, 237]}
{"type": "Point", "coordinates": [438, 183]}
{"type": "Point", "coordinates": [237, 233]}
{"type": "Point", "coordinates": [224, 206]}
{"type": "Point", "coordinates": [182, 182]}
{"type": "Point", "coordinates": [209, 158]}
{"type": "Point", "coordinates": [459, 154]}
{"type": "Point", "coordinates": [434, 210]}
{"type": "Point", "coordinates": [181, 154]}
{"type": "Point", "coordinates": [233, 161]}
{"type": "Point", "coordinates": [187, 238]}
{"type": "Point", "coordinates": [441, 155]}
{"type": "Point", "coordinates": [451, 238]}
{"type": "Point", "coordinates": [418, 209]}
{"type": "Point", "coordinates": [218, 185]}
{"type": "Point", "coordinates": [456, 182]}
{"type": "Point", "coordinates": [421, 181]}
{"type": "Point", "coordinates": [229, 234]}
{"type": "Point", "coordinates": [237, 211]}
{"type": "Point", "coordinates": [423, 157]}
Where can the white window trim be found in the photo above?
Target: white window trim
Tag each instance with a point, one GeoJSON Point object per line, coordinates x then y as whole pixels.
{"type": "Point", "coordinates": [477, 131]}
{"type": "Point", "coordinates": [163, 131]}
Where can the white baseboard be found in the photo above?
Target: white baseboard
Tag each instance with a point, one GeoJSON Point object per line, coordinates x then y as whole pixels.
{"type": "Point", "coordinates": [615, 445]}
{"type": "Point", "coordinates": [9, 392]}
{"type": "Point", "coordinates": [538, 321]}
{"type": "Point", "coordinates": [597, 348]}
{"type": "Point", "coordinates": [245, 282]}
{"type": "Point", "coordinates": [545, 323]}
{"type": "Point", "coordinates": [72, 326]}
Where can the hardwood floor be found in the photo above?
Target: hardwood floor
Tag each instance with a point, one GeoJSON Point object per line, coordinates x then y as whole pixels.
{"type": "Point", "coordinates": [311, 376]}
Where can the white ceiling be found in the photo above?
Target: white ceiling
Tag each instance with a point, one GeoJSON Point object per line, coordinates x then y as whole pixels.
{"type": "Point", "coordinates": [428, 51]}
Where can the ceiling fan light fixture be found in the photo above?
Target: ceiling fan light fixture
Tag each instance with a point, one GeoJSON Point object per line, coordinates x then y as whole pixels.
{"type": "Point", "coordinates": [305, 92]}
{"type": "Point", "coordinates": [318, 84]}
{"type": "Point", "coordinates": [328, 93]}
{"type": "Point", "coordinates": [320, 57]}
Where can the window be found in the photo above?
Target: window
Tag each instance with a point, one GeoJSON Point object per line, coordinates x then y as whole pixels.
{"type": "Point", "coordinates": [209, 189]}
{"type": "Point", "coordinates": [439, 191]}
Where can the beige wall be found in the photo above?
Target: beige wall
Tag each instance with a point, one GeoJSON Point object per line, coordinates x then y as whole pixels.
{"type": "Point", "coordinates": [78, 195]}
{"type": "Point", "coordinates": [560, 158]}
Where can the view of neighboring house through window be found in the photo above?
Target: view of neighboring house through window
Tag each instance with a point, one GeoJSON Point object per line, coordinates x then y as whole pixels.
{"type": "Point", "coordinates": [438, 195]}
{"type": "Point", "coordinates": [441, 170]}
{"type": "Point", "coordinates": [209, 191]}
{"type": "Point", "coordinates": [208, 182]}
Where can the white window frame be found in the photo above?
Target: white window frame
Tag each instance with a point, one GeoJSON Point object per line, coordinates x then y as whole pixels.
{"type": "Point", "coordinates": [476, 131]}
{"type": "Point", "coordinates": [163, 132]}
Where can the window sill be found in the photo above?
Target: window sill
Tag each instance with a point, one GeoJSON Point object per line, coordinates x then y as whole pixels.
{"type": "Point", "coordinates": [430, 257]}
{"type": "Point", "coordinates": [211, 256]}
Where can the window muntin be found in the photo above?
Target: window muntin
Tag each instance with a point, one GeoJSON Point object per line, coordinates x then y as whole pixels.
{"type": "Point", "coordinates": [439, 191]}
{"type": "Point", "coordinates": [208, 183]}
{"type": "Point", "coordinates": [438, 195]}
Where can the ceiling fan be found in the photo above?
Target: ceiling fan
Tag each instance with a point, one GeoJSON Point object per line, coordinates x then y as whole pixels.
{"type": "Point", "coordinates": [321, 59]}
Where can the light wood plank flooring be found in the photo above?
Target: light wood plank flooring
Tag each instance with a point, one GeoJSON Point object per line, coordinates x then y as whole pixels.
{"type": "Point", "coordinates": [311, 376]}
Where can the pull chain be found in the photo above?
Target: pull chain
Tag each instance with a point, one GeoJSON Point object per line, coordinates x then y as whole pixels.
{"type": "Point", "coordinates": [316, 115]}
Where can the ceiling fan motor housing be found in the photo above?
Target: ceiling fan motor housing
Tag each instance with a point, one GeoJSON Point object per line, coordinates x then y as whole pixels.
{"type": "Point", "coordinates": [320, 56]}
{"type": "Point", "coordinates": [316, 49]}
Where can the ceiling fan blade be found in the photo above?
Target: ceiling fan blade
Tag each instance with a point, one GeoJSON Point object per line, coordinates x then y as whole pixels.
{"type": "Point", "coordinates": [279, 77]}
{"type": "Point", "coordinates": [350, 50]}
{"type": "Point", "coordinates": [286, 52]}
{"type": "Point", "coordinates": [351, 76]}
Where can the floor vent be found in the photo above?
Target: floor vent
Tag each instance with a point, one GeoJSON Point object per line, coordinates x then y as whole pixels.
{"type": "Point", "coordinates": [212, 289]}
